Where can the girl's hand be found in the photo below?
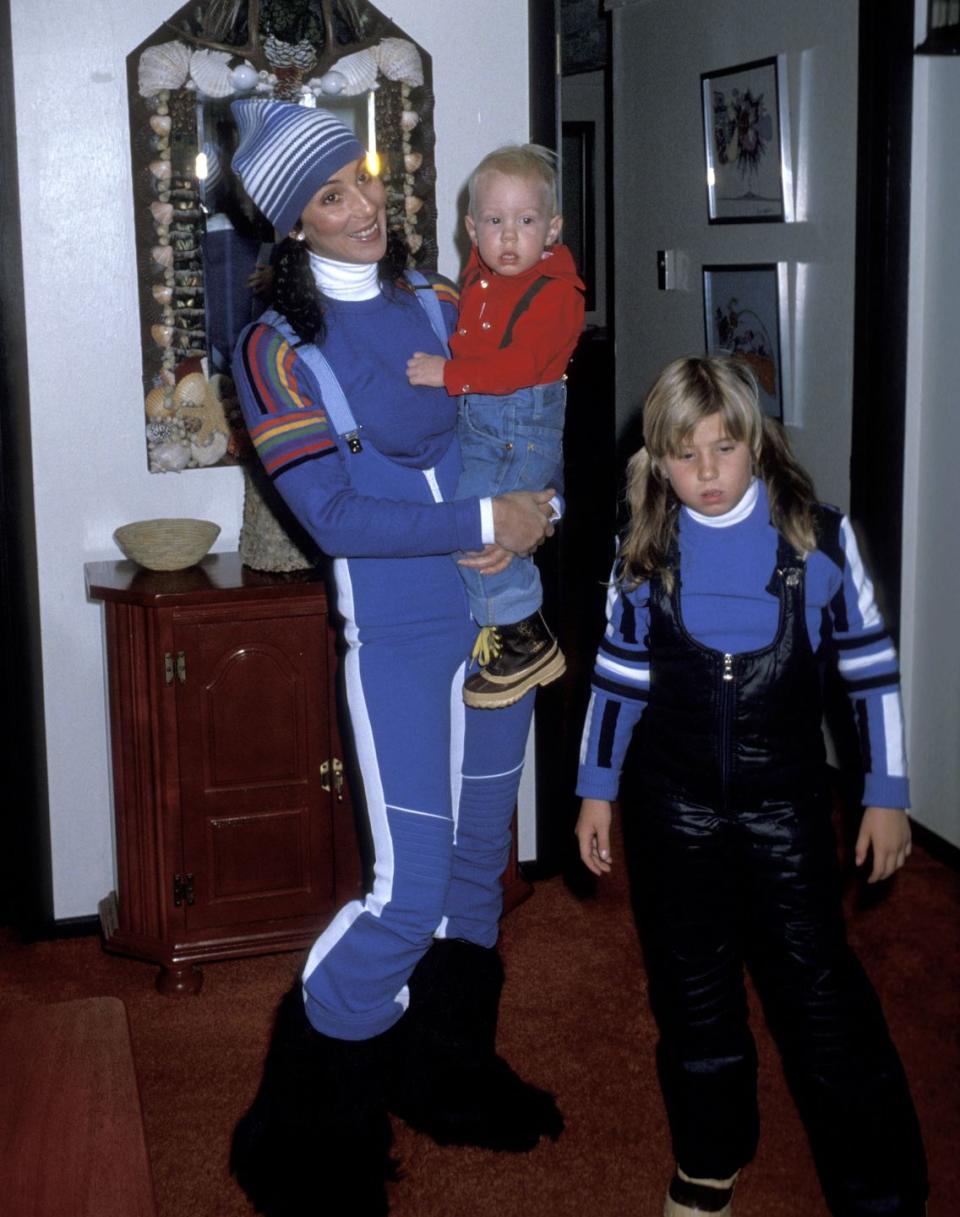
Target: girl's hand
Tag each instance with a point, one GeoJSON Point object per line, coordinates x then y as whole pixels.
{"type": "Point", "coordinates": [423, 369]}
{"type": "Point", "coordinates": [884, 832]}
{"type": "Point", "coordinates": [593, 833]}
{"type": "Point", "coordinates": [490, 560]}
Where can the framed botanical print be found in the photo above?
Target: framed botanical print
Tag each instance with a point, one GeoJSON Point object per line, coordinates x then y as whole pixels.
{"type": "Point", "coordinates": [744, 129]}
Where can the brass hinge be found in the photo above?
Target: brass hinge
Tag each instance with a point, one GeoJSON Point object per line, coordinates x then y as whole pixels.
{"type": "Point", "coordinates": [183, 890]}
{"type": "Point", "coordinates": [170, 666]}
{"type": "Point", "coordinates": [332, 769]}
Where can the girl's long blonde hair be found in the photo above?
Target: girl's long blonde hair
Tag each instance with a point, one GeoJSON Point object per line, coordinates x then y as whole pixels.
{"type": "Point", "coordinates": [686, 392]}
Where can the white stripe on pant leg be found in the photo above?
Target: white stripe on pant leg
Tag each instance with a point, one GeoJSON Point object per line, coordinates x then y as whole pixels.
{"type": "Point", "coordinates": [458, 726]}
{"type": "Point", "coordinates": [366, 751]}
{"type": "Point", "coordinates": [458, 718]}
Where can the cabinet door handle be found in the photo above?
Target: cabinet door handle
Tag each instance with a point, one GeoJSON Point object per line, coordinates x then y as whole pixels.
{"type": "Point", "coordinates": [334, 768]}
{"type": "Point", "coordinates": [167, 668]}
{"type": "Point", "coordinates": [337, 766]}
{"type": "Point", "coordinates": [182, 667]}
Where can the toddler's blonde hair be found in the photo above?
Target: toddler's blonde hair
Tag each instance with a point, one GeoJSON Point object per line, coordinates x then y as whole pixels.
{"type": "Point", "coordinates": [518, 160]}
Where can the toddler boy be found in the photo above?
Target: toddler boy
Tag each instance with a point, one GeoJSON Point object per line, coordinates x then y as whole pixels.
{"type": "Point", "coordinates": [521, 314]}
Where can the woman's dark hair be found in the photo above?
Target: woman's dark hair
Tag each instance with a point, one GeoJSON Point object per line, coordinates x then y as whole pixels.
{"type": "Point", "coordinates": [295, 293]}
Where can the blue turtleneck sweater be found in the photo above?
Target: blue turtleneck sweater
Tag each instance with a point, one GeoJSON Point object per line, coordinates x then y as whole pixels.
{"type": "Point", "coordinates": [725, 566]}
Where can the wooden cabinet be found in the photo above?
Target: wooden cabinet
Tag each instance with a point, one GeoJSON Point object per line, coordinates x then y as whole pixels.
{"type": "Point", "coordinates": [234, 830]}
{"type": "Point", "coordinates": [235, 834]}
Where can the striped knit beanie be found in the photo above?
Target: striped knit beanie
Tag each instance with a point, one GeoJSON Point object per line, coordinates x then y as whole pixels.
{"type": "Point", "coordinates": [285, 154]}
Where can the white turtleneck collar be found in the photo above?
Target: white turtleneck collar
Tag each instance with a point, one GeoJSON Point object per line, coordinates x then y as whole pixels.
{"type": "Point", "coordinates": [734, 515]}
{"type": "Point", "coordinates": [345, 280]}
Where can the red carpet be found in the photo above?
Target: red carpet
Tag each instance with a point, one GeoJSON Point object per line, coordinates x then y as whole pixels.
{"type": "Point", "coordinates": [574, 1019]}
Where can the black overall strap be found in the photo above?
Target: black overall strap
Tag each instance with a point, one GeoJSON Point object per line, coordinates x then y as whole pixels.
{"type": "Point", "coordinates": [790, 565]}
{"type": "Point", "coordinates": [521, 307]}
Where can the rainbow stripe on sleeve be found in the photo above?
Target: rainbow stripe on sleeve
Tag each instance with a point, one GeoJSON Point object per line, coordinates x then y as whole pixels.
{"type": "Point", "coordinates": [293, 428]}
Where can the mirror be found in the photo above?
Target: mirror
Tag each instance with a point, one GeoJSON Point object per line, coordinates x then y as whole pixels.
{"type": "Point", "coordinates": [199, 239]}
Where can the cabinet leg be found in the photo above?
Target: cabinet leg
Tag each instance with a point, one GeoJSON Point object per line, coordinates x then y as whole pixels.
{"type": "Point", "coordinates": [180, 980]}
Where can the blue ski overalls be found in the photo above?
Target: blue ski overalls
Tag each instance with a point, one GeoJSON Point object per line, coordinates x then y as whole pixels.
{"type": "Point", "coordinates": [738, 863]}
{"type": "Point", "coordinates": [439, 780]}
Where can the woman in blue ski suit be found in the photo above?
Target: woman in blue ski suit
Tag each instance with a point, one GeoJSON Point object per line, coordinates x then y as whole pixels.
{"type": "Point", "coordinates": [396, 1006]}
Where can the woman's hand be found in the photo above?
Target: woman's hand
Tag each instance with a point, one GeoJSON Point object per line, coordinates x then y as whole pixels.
{"type": "Point", "coordinates": [522, 519]}
{"type": "Point", "coordinates": [490, 560]}
{"type": "Point", "coordinates": [593, 833]}
{"type": "Point", "coordinates": [884, 832]}
{"type": "Point", "coordinates": [423, 369]}
{"type": "Point", "coordinates": [260, 279]}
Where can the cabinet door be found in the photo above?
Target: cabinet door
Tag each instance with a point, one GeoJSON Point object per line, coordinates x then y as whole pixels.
{"type": "Point", "coordinates": [253, 731]}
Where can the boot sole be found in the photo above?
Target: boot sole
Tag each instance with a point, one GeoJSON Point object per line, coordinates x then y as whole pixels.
{"type": "Point", "coordinates": [497, 695]}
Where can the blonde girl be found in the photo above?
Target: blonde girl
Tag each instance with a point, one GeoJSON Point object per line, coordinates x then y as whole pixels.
{"type": "Point", "coordinates": [732, 588]}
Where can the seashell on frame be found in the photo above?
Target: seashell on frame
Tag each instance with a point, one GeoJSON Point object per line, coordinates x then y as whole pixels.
{"type": "Point", "coordinates": [191, 391]}
{"type": "Point", "coordinates": [244, 76]}
{"type": "Point", "coordinates": [162, 256]}
{"type": "Point", "coordinates": [161, 123]}
{"type": "Point", "coordinates": [409, 119]}
{"type": "Point", "coordinates": [170, 457]}
{"type": "Point", "coordinates": [166, 66]}
{"type": "Point", "coordinates": [412, 161]}
{"type": "Point", "coordinates": [400, 60]}
{"type": "Point", "coordinates": [162, 212]}
{"type": "Point", "coordinates": [162, 335]}
{"type": "Point", "coordinates": [359, 71]}
{"type": "Point", "coordinates": [214, 450]}
{"type": "Point", "coordinates": [332, 83]}
{"type": "Point", "coordinates": [221, 387]}
{"type": "Point", "coordinates": [157, 404]}
{"type": "Point", "coordinates": [212, 74]}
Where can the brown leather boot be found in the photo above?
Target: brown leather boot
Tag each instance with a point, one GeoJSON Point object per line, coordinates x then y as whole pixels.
{"type": "Point", "coordinates": [513, 659]}
{"type": "Point", "coordinates": [688, 1197]}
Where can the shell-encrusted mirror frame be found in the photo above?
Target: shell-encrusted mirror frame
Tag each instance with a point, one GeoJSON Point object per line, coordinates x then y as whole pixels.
{"type": "Point", "coordinates": [191, 415]}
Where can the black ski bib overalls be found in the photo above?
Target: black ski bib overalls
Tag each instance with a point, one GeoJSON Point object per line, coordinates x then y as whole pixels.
{"type": "Point", "coordinates": [738, 863]}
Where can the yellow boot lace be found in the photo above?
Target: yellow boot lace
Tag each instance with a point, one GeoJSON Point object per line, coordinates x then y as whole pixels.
{"type": "Point", "coordinates": [487, 645]}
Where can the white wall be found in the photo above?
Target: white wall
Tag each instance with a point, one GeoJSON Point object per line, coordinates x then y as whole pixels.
{"type": "Point", "coordinates": [931, 565]}
{"type": "Point", "coordinates": [660, 48]}
{"type": "Point", "coordinates": [84, 363]}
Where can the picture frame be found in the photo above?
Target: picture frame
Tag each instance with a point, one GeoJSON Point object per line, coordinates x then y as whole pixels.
{"type": "Point", "coordinates": [745, 131]}
{"type": "Point", "coordinates": [742, 311]}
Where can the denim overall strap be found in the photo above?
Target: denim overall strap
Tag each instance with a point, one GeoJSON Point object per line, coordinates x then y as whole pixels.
{"type": "Point", "coordinates": [431, 305]}
{"type": "Point", "coordinates": [334, 400]}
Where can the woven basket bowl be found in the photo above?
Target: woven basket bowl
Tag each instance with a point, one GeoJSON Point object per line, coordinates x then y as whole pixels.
{"type": "Point", "coordinates": [169, 544]}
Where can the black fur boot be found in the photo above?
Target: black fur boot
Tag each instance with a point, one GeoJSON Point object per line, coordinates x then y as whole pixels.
{"type": "Point", "coordinates": [317, 1137]}
{"type": "Point", "coordinates": [448, 1081]}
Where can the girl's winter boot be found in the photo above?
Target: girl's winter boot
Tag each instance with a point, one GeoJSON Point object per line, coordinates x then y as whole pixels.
{"type": "Point", "coordinates": [689, 1197]}
{"type": "Point", "coordinates": [317, 1137]}
{"type": "Point", "coordinates": [449, 1081]}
